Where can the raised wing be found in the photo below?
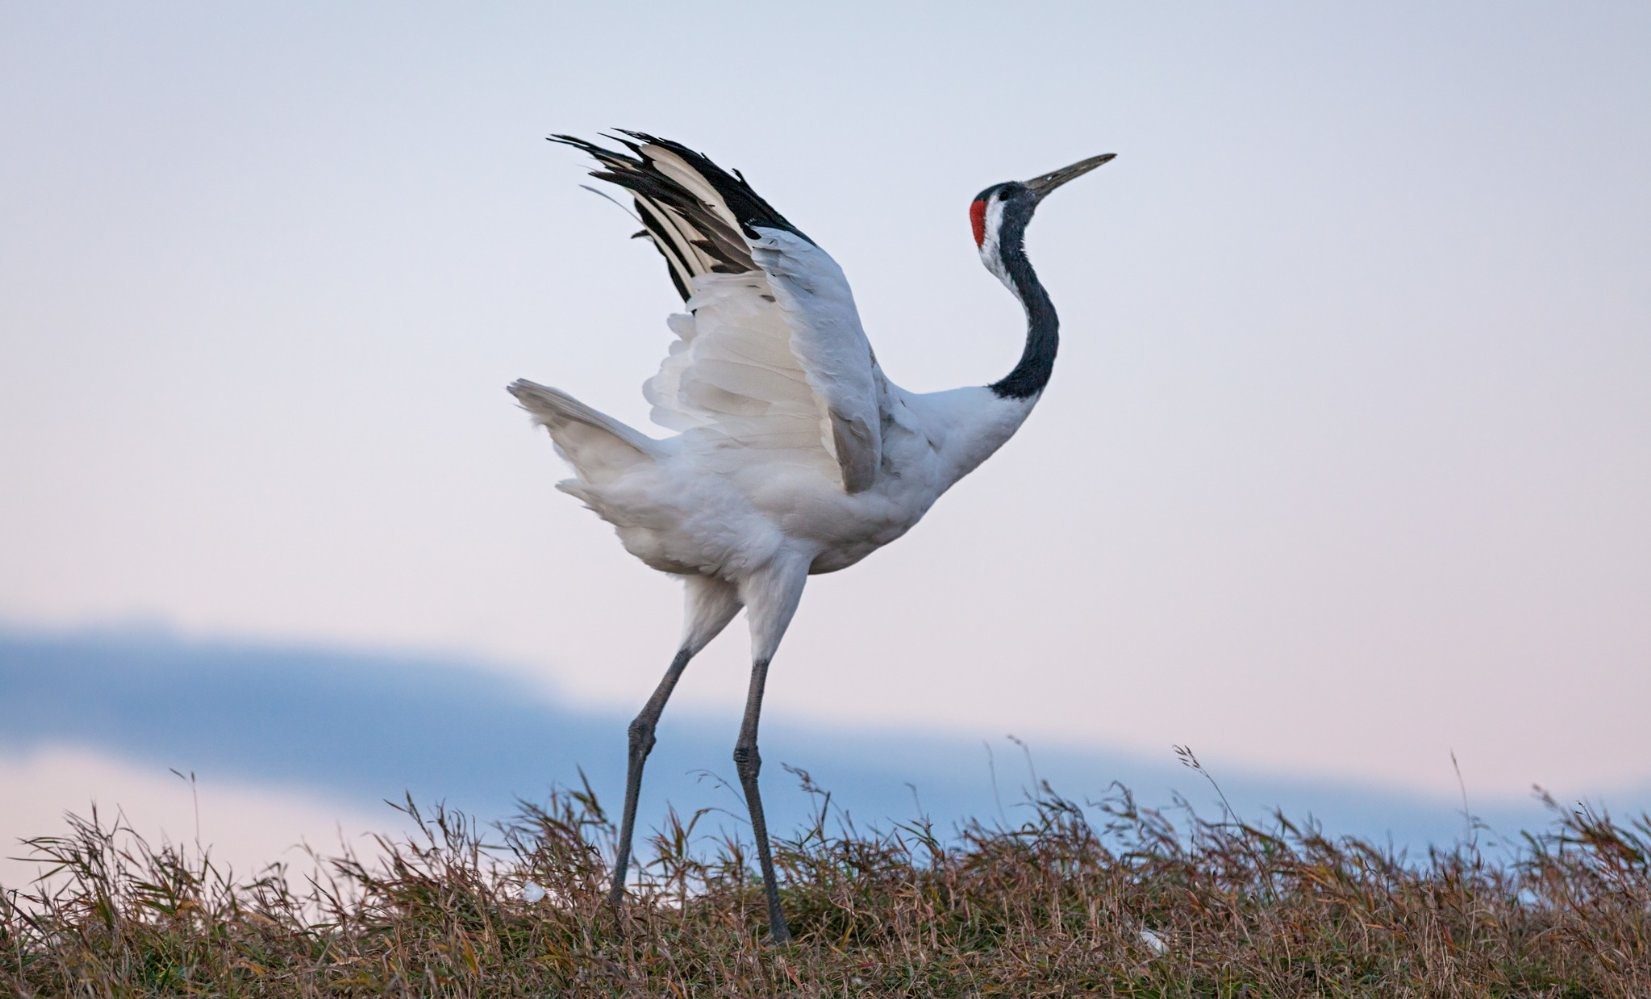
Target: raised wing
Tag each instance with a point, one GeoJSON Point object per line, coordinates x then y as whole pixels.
{"type": "Point", "coordinates": [771, 354]}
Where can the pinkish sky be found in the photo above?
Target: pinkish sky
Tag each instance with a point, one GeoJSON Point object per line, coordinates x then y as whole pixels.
{"type": "Point", "coordinates": [1345, 464]}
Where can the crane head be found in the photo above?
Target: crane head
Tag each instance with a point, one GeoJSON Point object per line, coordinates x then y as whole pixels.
{"type": "Point", "coordinates": [1000, 213]}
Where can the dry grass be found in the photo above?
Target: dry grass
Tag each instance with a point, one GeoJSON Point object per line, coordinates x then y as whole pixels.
{"type": "Point", "coordinates": [1056, 906]}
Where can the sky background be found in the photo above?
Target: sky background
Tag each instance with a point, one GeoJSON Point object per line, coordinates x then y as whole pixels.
{"type": "Point", "coordinates": [1344, 465]}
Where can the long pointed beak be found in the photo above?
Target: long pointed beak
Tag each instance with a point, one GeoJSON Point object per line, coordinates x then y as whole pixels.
{"type": "Point", "coordinates": [1041, 186]}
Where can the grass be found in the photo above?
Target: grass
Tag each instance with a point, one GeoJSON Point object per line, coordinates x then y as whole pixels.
{"type": "Point", "coordinates": [1100, 898]}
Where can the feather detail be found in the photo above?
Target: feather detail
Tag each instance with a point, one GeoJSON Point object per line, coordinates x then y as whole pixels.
{"type": "Point", "coordinates": [770, 354]}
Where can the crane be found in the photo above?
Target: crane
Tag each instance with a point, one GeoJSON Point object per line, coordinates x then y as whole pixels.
{"type": "Point", "coordinates": [794, 454]}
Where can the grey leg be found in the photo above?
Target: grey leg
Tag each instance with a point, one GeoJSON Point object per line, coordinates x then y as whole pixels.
{"type": "Point", "coordinates": [771, 596]}
{"type": "Point", "coordinates": [709, 604]}
{"type": "Point", "coordinates": [748, 763]}
{"type": "Point", "coordinates": [641, 744]}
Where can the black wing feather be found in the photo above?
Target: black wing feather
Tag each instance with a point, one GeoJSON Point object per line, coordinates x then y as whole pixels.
{"type": "Point", "coordinates": [692, 236]}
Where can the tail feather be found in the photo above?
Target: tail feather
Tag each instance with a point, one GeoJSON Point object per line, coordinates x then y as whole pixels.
{"type": "Point", "coordinates": [598, 446]}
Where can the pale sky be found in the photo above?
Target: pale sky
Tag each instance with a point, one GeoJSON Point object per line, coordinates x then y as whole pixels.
{"type": "Point", "coordinates": [1345, 463]}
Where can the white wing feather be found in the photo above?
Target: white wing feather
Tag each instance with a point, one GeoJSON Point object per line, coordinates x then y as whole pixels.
{"type": "Point", "coordinates": [771, 355]}
{"type": "Point", "coordinates": [827, 339]}
{"type": "Point", "coordinates": [776, 360]}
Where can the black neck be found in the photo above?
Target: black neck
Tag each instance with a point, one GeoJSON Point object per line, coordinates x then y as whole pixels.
{"type": "Point", "coordinates": [1037, 361]}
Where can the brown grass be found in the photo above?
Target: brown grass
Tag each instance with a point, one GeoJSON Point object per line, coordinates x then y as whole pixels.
{"type": "Point", "coordinates": [1056, 906]}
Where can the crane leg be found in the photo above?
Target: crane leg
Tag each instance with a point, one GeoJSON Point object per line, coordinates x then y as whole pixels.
{"type": "Point", "coordinates": [710, 604]}
{"type": "Point", "coordinates": [641, 744]}
{"type": "Point", "coordinates": [748, 763]}
{"type": "Point", "coordinates": [772, 597]}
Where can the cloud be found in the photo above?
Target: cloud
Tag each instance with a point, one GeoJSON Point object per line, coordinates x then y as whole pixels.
{"type": "Point", "coordinates": [271, 725]}
{"type": "Point", "coordinates": [247, 826]}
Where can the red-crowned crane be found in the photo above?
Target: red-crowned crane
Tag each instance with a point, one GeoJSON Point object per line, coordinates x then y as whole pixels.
{"type": "Point", "coordinates": [794, 454]}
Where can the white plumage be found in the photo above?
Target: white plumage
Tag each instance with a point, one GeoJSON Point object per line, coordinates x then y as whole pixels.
{"type": "Point", "coordinates": [793, 452]}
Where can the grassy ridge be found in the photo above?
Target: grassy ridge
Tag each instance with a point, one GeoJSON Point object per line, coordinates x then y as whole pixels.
{"type": "Point", "coordinates": [1106, 898]}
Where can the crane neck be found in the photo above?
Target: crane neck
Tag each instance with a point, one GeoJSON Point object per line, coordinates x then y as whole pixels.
{"type": "Point", "coordinates": [1037, 360]}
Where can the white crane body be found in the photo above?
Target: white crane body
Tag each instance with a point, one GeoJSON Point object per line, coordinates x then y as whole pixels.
{"type": "Point", "coordinates": [699, 504]}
